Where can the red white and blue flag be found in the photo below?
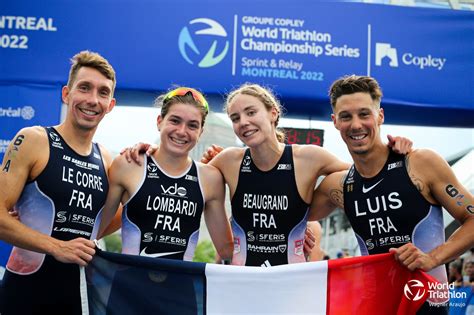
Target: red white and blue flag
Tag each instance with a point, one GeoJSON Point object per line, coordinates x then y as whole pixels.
{"type": "Point", "coordinates": [124, 284]}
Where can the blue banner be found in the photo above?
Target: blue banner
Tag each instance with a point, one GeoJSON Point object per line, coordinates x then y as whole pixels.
{"type": "Point", "coordinates": [421, 57]}
{"type": "Point", "coordinates": [23, 106]}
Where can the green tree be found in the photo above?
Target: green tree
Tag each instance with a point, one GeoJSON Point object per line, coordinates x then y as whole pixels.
{"type": "Point", "coordinates": [205, 252]}
{"type": "Point", "coordinates": [113, 243]}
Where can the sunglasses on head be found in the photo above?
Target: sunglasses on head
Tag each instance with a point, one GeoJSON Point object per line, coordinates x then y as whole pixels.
{"type": "Point", "coordinates": [182, 91]}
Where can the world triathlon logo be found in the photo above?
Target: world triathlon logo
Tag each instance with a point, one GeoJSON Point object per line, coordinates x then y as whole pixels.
{"type": "Point", "coordinates": [414, 290]}
{"type": "Point", "coordinates": [54, 136]}
{"type": "Point", "coordinates": [247, 161]}
{"type": "Point", "coordinates": [203, 42]}
{"type": "Point", "coordinates": [152, 167]}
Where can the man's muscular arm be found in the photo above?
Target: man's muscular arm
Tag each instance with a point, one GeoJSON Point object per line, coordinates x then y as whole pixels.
{"type": "Point", "coordinates": [26, 157]}
{"type": "Point", "coordinates": [328, 196]}
{"type": "Point", "coordinates": [436, 181]}
{"type": "Point", "coordinates": [117, 175]}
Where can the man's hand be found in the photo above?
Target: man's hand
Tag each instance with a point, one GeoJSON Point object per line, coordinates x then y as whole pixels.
{"type": "Point", "coordinates": [400, 145]}
{"type": "Point", "coordinates": [132, 154]}
{"type": "Point", "coordinates": [413, 258]}
{"type": "Point", "coordinates": [211, 153]}
{"type": "Point", "coordinates": [77, 251]}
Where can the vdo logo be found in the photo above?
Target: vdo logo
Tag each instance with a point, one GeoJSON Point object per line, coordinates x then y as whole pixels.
{"type": "Point", "coordinates": [174, 190]}
{"type": "Point", "coordinates": [203, 42]}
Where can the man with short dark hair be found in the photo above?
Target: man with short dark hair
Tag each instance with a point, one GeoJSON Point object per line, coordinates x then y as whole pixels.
{"type": "Point", "coordinates": [56, 178]}
{"type": "Point", "coordinates": [393, 201]}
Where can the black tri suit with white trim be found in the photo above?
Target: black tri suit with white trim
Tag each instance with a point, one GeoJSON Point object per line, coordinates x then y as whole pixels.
{"type": "Point", "coordinates": [269, 216]}
{"type": "Point", "coordinates": [388, 211]}
{"type": "Point", "coordinates": [160, 220]}
{"type": "Point", "coordinates": [162, 217]}
{"type": "Point", "coordinates": [63, 201]}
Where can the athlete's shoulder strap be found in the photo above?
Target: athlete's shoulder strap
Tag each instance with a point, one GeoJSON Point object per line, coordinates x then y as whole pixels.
{"type": "Point", "coordinates": [349, 177]}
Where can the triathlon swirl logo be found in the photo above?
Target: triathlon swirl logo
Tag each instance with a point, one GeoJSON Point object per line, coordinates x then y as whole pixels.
{"type": "Point", "coordinates": [54, 136]}
{"type": "Point", "coordinates": [247, 161]}
{"type": "Point", "coordinates": [414, 290]}
{"type": "Point", "coordinates": [203, 42]}
{"type": "Point", "coordinates": [152, 167]}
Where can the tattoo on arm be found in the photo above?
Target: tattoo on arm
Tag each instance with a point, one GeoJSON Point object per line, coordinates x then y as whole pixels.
{"type": "Point", "coordinates": [337, 197]}
{"type": "Point", "coordinates": [460, 199]}
{"type": "Point", "coordinates": [11, 154]}
{"type": "Point", "coordinates": [415, 180]}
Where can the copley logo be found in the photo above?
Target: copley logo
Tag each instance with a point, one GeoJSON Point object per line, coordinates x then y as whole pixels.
{"type": "Point", "coordinates": [414, 290]}
{"type": "Point", "coordinates": [385, 51]}
{"type": "Point", "coordinates": [203, 41]}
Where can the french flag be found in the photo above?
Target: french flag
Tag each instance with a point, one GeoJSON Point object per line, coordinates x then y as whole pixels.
{"type": "Point", "coordinates": [126, 284]}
